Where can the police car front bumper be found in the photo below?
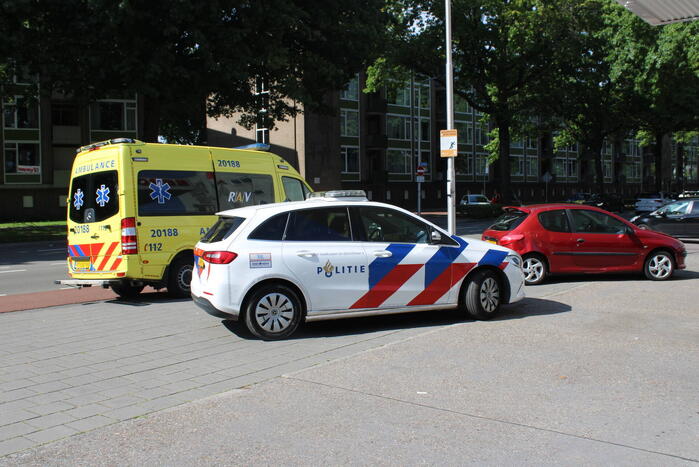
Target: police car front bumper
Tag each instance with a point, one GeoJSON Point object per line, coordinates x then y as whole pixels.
{"type": "Point", "coordinates": [207, 306]}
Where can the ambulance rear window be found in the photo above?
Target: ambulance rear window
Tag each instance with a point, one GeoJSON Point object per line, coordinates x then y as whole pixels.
{"type": "Point", "coordinates": [222, 229]}
{"type": "Point", "coordinates": [93, 197]}
{"type": "Point", "coordinates": [236, 190]}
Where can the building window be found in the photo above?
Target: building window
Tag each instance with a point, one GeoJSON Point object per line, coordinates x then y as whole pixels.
{"type": "Point", "coordinates": [532, 167]}
{"type": "Point", "coordinates": [422, 95]}
{"type": "Point", "coordinates": [113, 115]}
{"type": "Point", "coordinates": [464, 163]}
{"type": "Point", "coordinates": [482, 134]}
{"type": "Point", "coordinates": [532, 143]}
{"type": "Point", "coordinates": [607, 168]}
{"type": "Point", "coordinates": [64, 114]}
{"type": "Point", "coordinates": [262, 135]}
{"type": "Point", "coordinates": [423, 132]}
{"type": "Point", "coordinates": [481, 163]}
{"type": "Point", "coordinates": [398, 127]}
{"type": "Point", "coordinates": [516, 165]}
{"type": "Point", "coordinates": [399, 96]}
{"type": "Point", "coordinates": [461, 105]}
{"type": "Point", "coordinates": [20, 113]}
{"type": "Point", "coordinates": [351, 91]}
{"type": "Point", "coordinates": [349, 122]}
{"type": "Point", "coordinates": [398, 161]}
{"type": "Point", "coordinates": [350, 159]}
{"type": "Point", "coordinates": [464, 131]}
{"type": "Point", "coordinates": [22, 158]}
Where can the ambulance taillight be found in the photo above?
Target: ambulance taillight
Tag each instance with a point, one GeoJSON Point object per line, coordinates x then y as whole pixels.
{"type": "Point", "coordinates": [129, 242]}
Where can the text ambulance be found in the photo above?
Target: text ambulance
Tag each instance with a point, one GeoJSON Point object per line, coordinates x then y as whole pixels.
{"type": "Point", "coordinates": [136, 210]}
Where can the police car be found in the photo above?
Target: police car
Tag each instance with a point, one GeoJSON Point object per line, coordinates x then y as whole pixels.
{"type": "Point", "coordinates": [338, 255]}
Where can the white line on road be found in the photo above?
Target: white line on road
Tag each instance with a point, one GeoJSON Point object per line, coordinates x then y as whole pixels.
{"type": "Point", "coordinates": [58, 264]}
{"type": "Point", "coordinates": [13, 270]}
{"type": "Point", "coordinates": [3, 294]}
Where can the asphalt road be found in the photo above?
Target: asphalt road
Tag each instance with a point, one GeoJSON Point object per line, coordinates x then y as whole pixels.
{"type": "Point", "coordinates": [31, 267]}
{"type": "Point", "coordinates": [586, 370]}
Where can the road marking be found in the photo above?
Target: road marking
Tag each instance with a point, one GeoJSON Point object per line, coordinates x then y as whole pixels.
{"type": "Point", "coordinates": [3, 295]}
{"type": "Point", "coordinates": [13, 270]}
{"type": "Point", "coordinates": [59, 264]}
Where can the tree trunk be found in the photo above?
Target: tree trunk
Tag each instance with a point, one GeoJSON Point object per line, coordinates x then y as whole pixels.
{"type": "Point", "coordinates": [679, 175]}
{"type": "Point", "coordinates": [504, 161]}
{"type": "Point", "coordinates": [151, 119]}
{"type": "Point", "coordinates": [658, 162]}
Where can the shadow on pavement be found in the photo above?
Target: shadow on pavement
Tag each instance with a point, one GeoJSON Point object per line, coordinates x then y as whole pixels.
{"type": "Point", "coordinates": [147, 298]}
{"type": "Point", "coordinates": [680, 275]}
{"type": "Point", "coordinates": [419, 319]}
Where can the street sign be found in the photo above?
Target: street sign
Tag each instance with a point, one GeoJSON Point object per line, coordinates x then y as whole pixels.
{"type": "Point", "coordinates": [547, 177]}
{"type": "Point", "coordinates": [420, 170]}
{"type": "Point", "coordinates": [420, 179]}
{"type": "Point", "coordinates": [447, 143]}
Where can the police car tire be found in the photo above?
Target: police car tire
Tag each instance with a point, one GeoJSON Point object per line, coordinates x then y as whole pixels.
{"type": "Point", "coordinates": [177, 283]}
{"type": "Point", "coordinates": [125, 290]}
{"type": "Point", "coordinates": [484, 286]}
{"type": "Point", "coordinates": [260, 296]}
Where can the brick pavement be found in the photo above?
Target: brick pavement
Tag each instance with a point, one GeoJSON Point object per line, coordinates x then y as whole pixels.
{"type": "Point", "coordinates": [70, 369]}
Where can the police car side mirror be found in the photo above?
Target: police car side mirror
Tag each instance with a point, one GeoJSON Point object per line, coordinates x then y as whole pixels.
{"type": "Point", "coordinates": [435, 236]}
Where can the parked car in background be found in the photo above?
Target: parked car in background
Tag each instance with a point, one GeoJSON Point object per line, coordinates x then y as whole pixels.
{"type": "Point", "coordinates": [570, 238]}
{"type": "Point", "coordinates": [579, 198]}
{"type": "Point", "coordinates": [688, 194]}
{"type": "Point", "coordinates": [648, 202]}
{"type": "Point", "coordinates": [607, 201]}
{"type": "Point", "coordinates": [478, 206]}
{"type": "Point", "coordinates": [679, 218]}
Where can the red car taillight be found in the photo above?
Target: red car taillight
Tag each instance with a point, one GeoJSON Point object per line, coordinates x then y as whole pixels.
{"type": "Point", "coordinates": [129, 241]}
{"type": "Point", "coordinates": [218, 257]}
{"type": "Point", "coordinates": [511, 238]}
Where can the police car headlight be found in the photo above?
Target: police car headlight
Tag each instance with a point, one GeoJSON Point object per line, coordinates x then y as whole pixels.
{"type": "Point", "coordinates": [515, 259]}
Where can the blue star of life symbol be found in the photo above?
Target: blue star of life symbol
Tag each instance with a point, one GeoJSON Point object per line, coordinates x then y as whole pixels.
{"type": "Point", "coordinates": [160, 191]}
{"type": "Point", "coordinates": [102, 195]}
{"type": "Point", "coordinates": [78, 199]}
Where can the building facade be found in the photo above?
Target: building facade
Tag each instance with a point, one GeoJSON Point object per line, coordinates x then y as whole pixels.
{"type": "Point", "coordinates": [39, 138]}
{"type": "Point", "coordinates": [380, 139]}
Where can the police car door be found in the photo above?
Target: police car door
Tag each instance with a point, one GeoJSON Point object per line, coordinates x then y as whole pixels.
{"type": "Point", "coordinates": [405, 268]}
{"type": "Point", "coordinates": [319, 251]}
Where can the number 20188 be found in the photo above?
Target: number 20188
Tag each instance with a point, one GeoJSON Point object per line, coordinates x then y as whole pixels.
{"type": "Point", "coordinates": [164, 233]}
{"type": "Point", "coordinates": [224, 163]}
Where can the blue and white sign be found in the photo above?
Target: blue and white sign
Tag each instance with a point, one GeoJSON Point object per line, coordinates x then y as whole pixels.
{"type": "Point", "coordinates": [160, 191]}
{"type": "Point", "coordinates": [78, 199]}
{"type": "Point", "coordinates": [102, 195]}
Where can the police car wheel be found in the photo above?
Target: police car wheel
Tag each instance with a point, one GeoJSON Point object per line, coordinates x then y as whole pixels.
{"type": "Point", "coordinates": [535, 269]}
{"type": "Point", "coordinates": [273, 312]}
{"type": "Point", "coordinates": [179, 277]}
{"type": "Point", "coordinates": [125, 290]}
{"type": "Point", "coordinates": [659, 266]}
{"type": "Point", "coordinates": [482, 295]}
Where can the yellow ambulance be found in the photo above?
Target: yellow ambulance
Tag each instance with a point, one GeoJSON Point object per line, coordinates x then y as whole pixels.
{"type": "Point", "coordinates": [136, 210]}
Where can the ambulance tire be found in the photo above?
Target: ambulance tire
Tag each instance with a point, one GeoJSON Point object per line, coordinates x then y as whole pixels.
{"type": "Point", "coordinates": [126, 290]}
{"type": "Point", "coordinates": [270, 306]}
{"type": "Point", "coordinates": [482, 295]}
{"type": "Point", "coordinates": [179, 277]}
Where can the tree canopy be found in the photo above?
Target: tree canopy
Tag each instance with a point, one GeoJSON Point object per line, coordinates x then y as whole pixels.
{"type": "Point", "coordinates": [187, 58]}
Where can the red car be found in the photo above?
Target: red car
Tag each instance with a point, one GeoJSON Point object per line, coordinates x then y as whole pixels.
{"type": "Point", "coordinates": [571, 238]}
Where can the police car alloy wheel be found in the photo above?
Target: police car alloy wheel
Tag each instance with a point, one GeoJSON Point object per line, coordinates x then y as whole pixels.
{"type": "Point", "coordinates": [659, 266]}
{"type": "Point", "coordinates": [273, 312]}
{"type": "Point", "coordinates": [482, 297]}
{"type": "Point", "coordinates": [534, 268]}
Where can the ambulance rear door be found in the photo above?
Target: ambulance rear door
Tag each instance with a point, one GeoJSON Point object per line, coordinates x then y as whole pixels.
{"type": "Point", "coordinates": [243, 178]}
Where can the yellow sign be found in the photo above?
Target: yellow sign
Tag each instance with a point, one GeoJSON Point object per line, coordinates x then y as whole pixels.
{"type": "Point", "coordinates": [448, 146]}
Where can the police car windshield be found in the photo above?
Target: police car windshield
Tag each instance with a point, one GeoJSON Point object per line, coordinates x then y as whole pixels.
{"type": "Point", "coordinates": [508, 220]}
{"type": "Point", "coordinates": [222, 229]}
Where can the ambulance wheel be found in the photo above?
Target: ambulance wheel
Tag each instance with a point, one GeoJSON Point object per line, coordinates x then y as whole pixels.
{"type": "Point", "coordinates": [273, 312]}
{"type": "Point", "coordinates": [482, 295]}
{"type": "Point", "coordinates": [179, 277]}
{"type": "Point", "coordinates": [126, 290]}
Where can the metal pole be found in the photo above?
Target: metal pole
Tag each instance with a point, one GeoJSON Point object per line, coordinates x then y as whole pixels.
{"type": "Point", "coordinates": [451, 185]}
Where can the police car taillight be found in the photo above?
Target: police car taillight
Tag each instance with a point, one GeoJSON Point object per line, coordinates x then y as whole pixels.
{"type": "Point", "coordinates": [219, 257]}
{"type": "Point", "coordinates": [129, 241]}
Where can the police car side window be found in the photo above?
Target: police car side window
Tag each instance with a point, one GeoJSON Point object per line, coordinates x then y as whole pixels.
{"type": "Point", "coordinates": [271, 229]}
{"type": "Point", "coordinates": [386, 225]}
{"type": "Point", "coordinates": [321, 224]}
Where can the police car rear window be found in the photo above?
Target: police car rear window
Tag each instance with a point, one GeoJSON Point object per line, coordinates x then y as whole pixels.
{"type": "Point", "coordinates": [508, 220]}
{"type": "Point", "coordinates": [222, 229]}
{"type": "Point", "coordinates": [271, 229]}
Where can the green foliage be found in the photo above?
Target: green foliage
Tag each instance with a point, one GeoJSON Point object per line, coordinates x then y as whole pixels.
{"type": "Point", "coordinates": [178, 54]}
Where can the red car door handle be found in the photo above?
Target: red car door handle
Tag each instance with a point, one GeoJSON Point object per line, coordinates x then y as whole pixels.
{"type": "Point", "coordinates": [580, 240]}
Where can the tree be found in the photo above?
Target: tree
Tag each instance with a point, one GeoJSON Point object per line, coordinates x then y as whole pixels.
{"type": "Point", "coordinates": [188, 59]}
{"type": "Point", "coordinates": [502, 56]}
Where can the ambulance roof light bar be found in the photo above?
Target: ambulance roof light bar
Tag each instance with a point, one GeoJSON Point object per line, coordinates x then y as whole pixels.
{"type": "Point", "coordinates": [344, 195]}
{"type": "Point", "coordinates": [93, 146]}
